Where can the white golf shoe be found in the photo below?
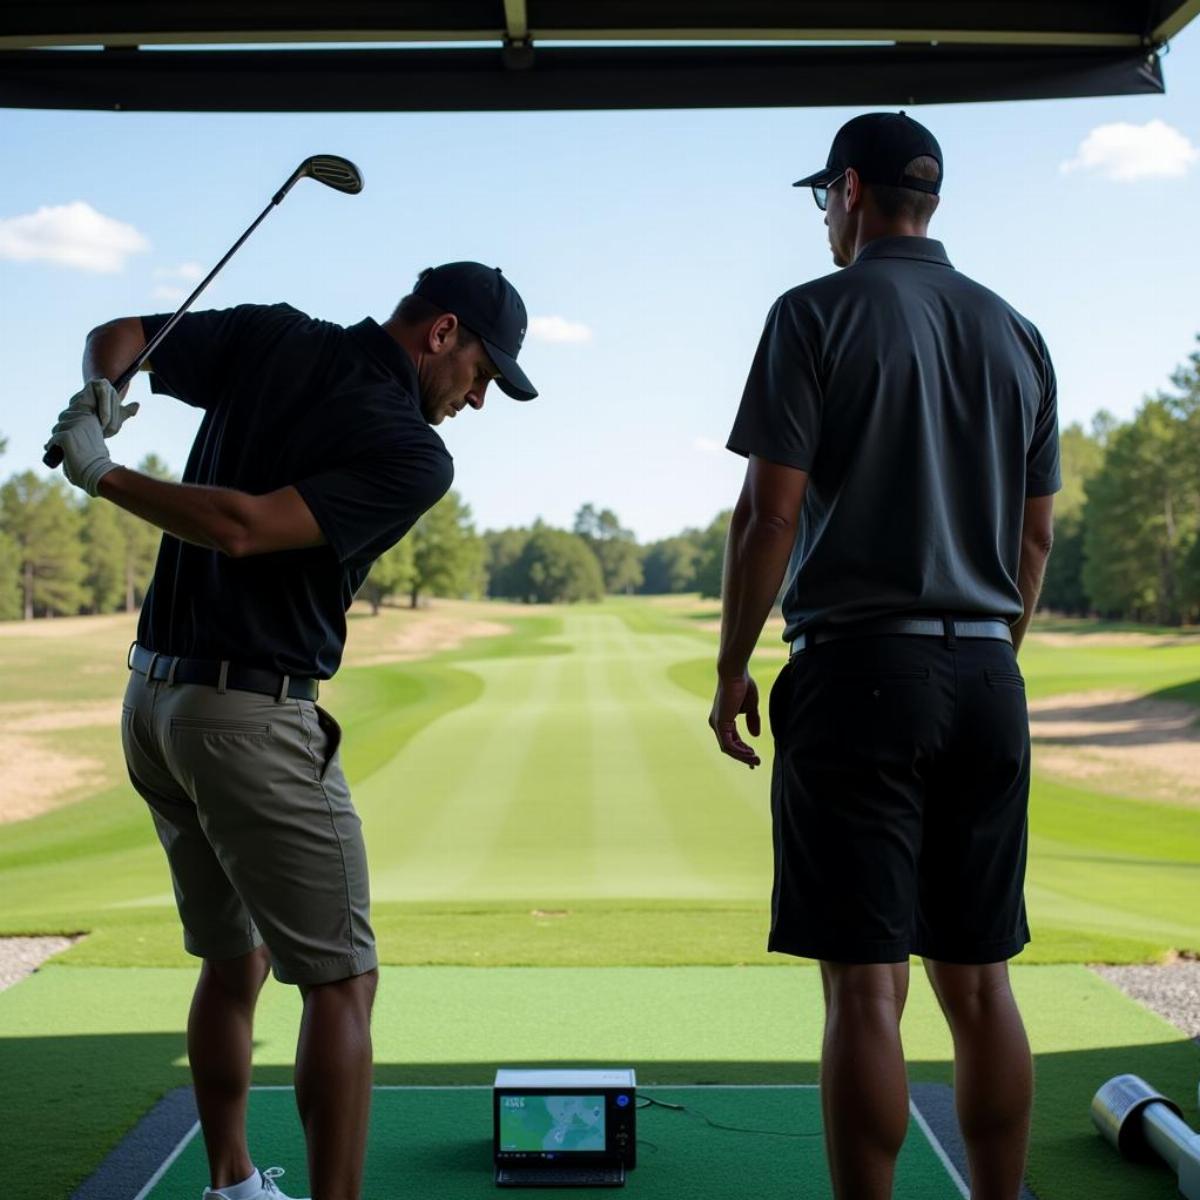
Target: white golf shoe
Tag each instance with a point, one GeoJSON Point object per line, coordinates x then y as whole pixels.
{"type": "Point", "coordinates": [267, 1189]}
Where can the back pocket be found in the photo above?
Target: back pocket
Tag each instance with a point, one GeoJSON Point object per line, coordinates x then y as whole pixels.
{"type": "Point", "coordinates": [220, 725]}
{"type": "Point", "coordinates": [1012, 679]}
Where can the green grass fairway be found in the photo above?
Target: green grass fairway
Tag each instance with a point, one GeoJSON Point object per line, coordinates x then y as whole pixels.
{"type": "Point", "coordinates": [553, 795]}
{"type": "Point", "coordinates": [84, 1052]}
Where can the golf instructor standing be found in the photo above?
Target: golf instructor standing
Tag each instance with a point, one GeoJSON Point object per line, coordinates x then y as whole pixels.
{"type": "Point", "coordinates": [901, 429]}
{"type": "Point", "coordinates": [314, 456]}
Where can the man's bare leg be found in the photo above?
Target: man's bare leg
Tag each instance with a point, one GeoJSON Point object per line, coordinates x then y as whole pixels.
{"type": "Point", "coordinates": [333, 1083]}
{"type": "Point", "coordinates": [864, 1085]}
{"type": "Point", "coordinates": [220, 1041]}
{"type": "Point", "coordinates": [993, 1073]}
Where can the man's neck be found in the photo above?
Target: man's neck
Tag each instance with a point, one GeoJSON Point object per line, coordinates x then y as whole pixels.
{"type": "Point", "coordinates": [872, 231]}
{"type": "Point", "coordinates": [407, 338]}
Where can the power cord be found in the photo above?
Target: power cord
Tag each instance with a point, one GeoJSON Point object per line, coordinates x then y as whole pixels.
{"type": "Point", "coordinates": [650, 1102]}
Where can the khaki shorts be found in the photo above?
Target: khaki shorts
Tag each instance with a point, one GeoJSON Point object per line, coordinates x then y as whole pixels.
{"type": "Point", "coordinates": [252, 808]}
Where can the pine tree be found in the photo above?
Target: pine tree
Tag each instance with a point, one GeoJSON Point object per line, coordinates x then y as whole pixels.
{"type": "Point", "coordinates": [39, 515]}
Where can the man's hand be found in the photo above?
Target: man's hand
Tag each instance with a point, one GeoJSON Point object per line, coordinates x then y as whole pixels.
{"type": "Point", "coordinates": [735, 695]}
{"type": "Point", "coordinates": [85, 457]}
{"type": "Point", "coordinates": [100, 397]}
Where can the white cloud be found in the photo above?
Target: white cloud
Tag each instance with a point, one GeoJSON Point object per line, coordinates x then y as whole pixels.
{"type": "Point", "coordinates": [164, 291]}
{"type": "Point", "coordinates": [1126, 153]}
{"type": "Point", "coordinates": [192, 272]}
{"type": "Point", "coordinates": [559, 329]}
{"type": "Point", "coordinates": [707, 445]}
{"type": "Point", "coordinates": [72, 235]}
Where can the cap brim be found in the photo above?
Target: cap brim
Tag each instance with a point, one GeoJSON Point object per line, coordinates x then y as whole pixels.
{"type": "Point", "coordinates": [512, 381]}
{"type": "Point", "coordinates": [822, 178]}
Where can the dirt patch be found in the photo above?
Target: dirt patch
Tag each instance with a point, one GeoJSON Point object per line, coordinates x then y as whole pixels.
{"type": "Point", "coordinates": [60, 627]}
{"type": "Point", "coordinates": [1120, 743]}
{"type": "Point", "coordinates": [397, 635]}
{"type": "Point", "coordinates": [39, 776]}
{"type": "Point", "coordinates": [50, 718]}
{"type": "Point", "coordinates": [1073, 641]}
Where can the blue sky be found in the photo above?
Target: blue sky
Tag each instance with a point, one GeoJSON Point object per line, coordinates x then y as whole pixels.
{"type": "Point", "coordinates": [658, 240]}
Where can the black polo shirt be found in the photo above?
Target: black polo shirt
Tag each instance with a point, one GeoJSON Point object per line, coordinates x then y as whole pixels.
{"type": "Point", "coordinates": [289, 400]}
{"type": "Point", "coordinates": [924, 409]}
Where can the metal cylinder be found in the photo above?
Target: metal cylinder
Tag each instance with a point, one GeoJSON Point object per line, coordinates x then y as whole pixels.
{"type": "Point", "coordinates": [1168, 1135]}
{"type": "Point", "coordinates": [1118, 1112]}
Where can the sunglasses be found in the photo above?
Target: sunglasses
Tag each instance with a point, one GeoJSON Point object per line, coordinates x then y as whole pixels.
{"type": "Point", "coordinates": [821, 193]}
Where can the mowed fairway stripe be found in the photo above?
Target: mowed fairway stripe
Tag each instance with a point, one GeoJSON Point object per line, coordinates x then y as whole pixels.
{"type": "Point", "coordinates": [582, 775]}
{"type": "Point", "coordinates": [434, 811]}
{"type": "Point", "coordinates": [714, 813]}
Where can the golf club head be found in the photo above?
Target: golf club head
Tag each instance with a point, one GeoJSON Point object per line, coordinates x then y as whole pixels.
{"type": "Point", "coordinates": [333, 171]}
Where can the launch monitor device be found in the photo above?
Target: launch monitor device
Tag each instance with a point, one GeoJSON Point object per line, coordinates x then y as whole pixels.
{"type": "Point", "coordinates": [569, 1128]}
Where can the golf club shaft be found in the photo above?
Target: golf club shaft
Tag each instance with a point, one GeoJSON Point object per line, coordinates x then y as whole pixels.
{"type": "Point", "coordinates": [54, 455]}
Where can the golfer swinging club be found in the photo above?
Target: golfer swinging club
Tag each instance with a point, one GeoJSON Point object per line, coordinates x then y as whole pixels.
{"type": "Point", "coordinates": [900, 423]}
{"type": "Point", "coordinates": [314, 456]}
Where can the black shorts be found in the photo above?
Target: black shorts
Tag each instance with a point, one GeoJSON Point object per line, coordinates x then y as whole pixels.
{"type": "Point", "coordinates": [900, 801]}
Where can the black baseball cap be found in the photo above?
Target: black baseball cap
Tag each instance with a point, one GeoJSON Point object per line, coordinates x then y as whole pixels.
{"type": "Point", "coordinates": [879, 146]}
{"type": "Point", "coordinates": [488, 305]}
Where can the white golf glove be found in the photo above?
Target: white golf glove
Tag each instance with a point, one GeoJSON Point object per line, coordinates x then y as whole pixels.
{"type": "Point", "coordinates": [85, 456]}
{"type": "Point", "coordinates": [99, 396]}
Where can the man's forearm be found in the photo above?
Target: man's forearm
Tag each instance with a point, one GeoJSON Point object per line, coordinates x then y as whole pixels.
{"type": "Point", "coordinates": [217, 518]}
{"type": "Point", "coordinates": [1031, 571]}
{"type": "Point", "coordinates": [757, 552]}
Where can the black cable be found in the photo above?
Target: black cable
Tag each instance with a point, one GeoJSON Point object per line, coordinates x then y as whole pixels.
{"type": "Point", "coordinates": [650, 1102]}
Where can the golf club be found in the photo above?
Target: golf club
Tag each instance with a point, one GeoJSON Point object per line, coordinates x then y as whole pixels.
{"type": "Point", "coordinates": [335, 172]}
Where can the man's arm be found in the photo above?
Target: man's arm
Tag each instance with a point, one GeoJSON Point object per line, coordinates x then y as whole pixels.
{"type": "Point", "coordinates": [762, 533]}
{"type": "Point", "coordinates": [235, 523]}
{"type": "Point", "coordinates": [1037, 536]}
{"type": "Point", "coordinates": [111, 347]}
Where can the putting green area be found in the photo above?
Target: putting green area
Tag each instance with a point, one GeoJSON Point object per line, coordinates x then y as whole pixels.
{"type": "Point", "coordinates": [715, 1141]}
{"type": "Point", "coordinates": [86, 1052]}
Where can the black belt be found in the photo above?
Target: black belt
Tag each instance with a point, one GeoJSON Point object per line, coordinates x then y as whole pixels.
{"type": "Point", "coordinates": [221, 675]}
{"type": "Point", "coordinates": [949, 628]}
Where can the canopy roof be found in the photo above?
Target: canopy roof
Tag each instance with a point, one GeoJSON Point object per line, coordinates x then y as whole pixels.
{"type": "Point", "coordinates": [381, 55]}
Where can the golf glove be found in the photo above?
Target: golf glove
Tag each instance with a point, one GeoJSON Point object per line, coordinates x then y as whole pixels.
{"type": "Point", "coordinates": [85, 456]}
{"type": "Point", "coordinates": [99, 396]}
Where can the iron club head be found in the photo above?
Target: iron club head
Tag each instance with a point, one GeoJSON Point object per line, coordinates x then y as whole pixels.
{"type": "Point", "coordinates": [330, 169]}
{"type": "Point", "coordinates": [335, 172]}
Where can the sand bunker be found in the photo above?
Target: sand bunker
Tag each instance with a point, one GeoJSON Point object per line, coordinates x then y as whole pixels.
{"type": "Point", "coordinates": [1120, 743]}
{"type": "Point", "coordinates": [38, 774]}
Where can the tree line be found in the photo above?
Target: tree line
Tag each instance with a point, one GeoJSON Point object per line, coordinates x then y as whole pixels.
{"type": "Point", "coordinates": [1127, 522]}
{"type": "Point", "coordinates": [1127, 541]}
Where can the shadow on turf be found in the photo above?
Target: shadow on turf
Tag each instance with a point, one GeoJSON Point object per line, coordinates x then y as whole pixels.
{"type": "Point", "coordinates": [68, 1101]}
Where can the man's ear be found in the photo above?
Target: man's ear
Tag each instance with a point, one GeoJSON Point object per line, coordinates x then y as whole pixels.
{"type": "Point", "coordinates": [853, 189]}
{"type": "Point", "coordinates": [441, 333]}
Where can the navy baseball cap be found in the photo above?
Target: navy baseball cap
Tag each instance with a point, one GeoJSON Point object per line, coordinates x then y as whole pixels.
{"type": "Point", "coordinates": [488, 305]}
{"type": "Point", "coordinates": [879, 146]}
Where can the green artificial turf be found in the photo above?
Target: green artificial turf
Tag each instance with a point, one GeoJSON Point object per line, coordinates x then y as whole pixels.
{"type": "Point", "coordinates": [437, 1143]}
{"type": "Point", "coordinates": [85, 1051]}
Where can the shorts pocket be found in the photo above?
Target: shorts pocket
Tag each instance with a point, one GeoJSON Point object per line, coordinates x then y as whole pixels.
{"type": "Point", "coordinates": [333, 739]}
{"type": "Point", "coordinates": [220, 725]}
{"type": "Point", "coordinates": [1012, 679]}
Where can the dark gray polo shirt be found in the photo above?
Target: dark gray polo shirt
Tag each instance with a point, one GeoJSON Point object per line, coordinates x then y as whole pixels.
{"type": "Point", "coordinates": [924, 409]}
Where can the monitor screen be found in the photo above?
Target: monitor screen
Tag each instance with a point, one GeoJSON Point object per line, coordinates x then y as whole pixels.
{"type": "Point", "coordinates": [558, 1124]}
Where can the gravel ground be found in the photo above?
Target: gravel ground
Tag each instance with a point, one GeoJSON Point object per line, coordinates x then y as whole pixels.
{"type": "Point", "coordinates": [1172, 991]}
{"type": "Point", "coordinates": [21, 956]}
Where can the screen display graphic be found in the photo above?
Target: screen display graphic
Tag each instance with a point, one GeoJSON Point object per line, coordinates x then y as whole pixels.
{"type": "Point", "coordinates": [552, 1123]}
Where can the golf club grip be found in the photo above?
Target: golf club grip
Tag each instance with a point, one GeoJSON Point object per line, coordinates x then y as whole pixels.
{"type": "Point", "coordinates": [54, 456]}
